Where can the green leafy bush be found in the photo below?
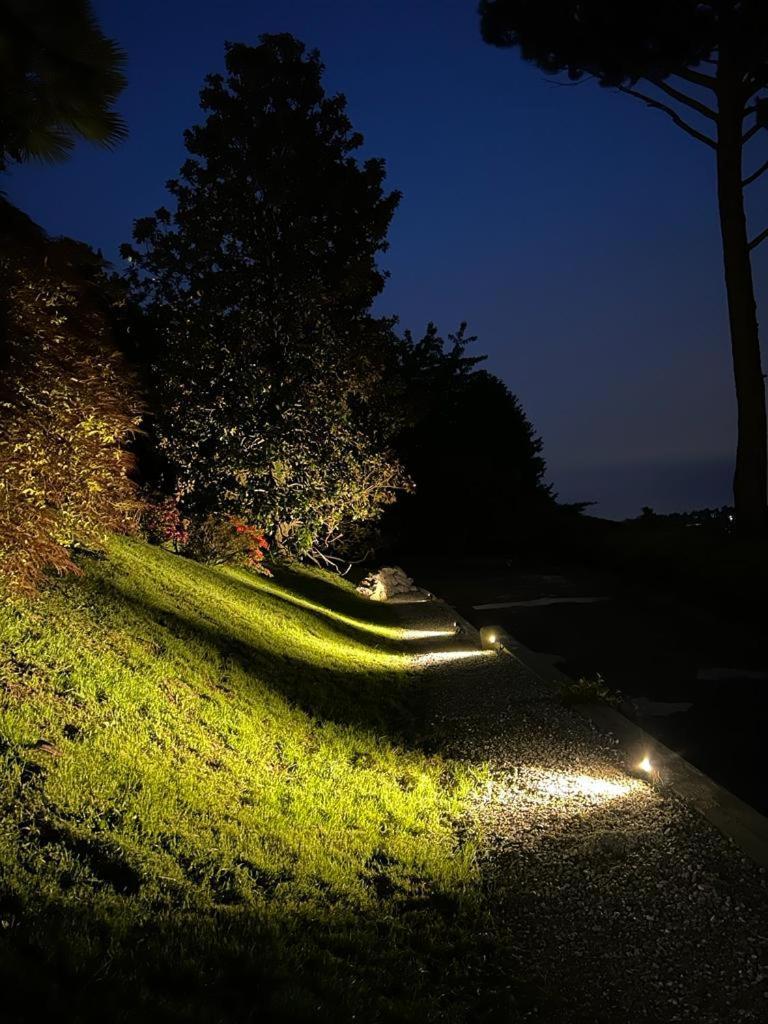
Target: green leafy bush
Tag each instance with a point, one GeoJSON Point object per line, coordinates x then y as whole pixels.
{"type": "Point", "coordinates": [589, 691]}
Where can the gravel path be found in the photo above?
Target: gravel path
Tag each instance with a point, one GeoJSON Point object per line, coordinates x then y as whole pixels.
{"type": "Point", "coordinates": [623, 903]}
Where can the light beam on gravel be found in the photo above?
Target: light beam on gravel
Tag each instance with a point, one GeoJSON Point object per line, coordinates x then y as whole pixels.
{"type": "Point", "coordinates": [425, 634]}
{"type": "Point", "coordinates": [564, 785]}
{"type": "Point", "coordinates": [434, 656]}
{"type": "Point", "coordinates": [558, 791]}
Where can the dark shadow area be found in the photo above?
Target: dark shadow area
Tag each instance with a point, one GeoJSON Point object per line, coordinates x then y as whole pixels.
{"type": "Point", "coordinates": [338, 599]}
{"type": "Point", "coordinates": [260, 963]}
{"type": "Point", "coordinates": [362, 633]}
{"type": "Point", "coordinates": [702, 563]}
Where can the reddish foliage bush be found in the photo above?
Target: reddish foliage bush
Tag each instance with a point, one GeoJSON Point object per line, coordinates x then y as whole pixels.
{"type": "Point", "coordinates": [164, 524]}
{"type": "Point", "coordinates": [67, 406]}
{"type": "Point", "coordinates": [255, 544]}
{"type": "Point", "coordinates": [223, 540]}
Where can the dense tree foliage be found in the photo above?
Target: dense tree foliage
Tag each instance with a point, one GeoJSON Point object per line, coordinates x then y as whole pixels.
{"type": "Point", "coordinates": [59, 79]}
{"type": "Point", "coordinates": [467, 444]}
{"type": "Point", "coordinates": [705, 65]}
{"type": "Point", "coordinates": [67, 405]}
{"type": "Point", "coordinates": [255, 291]}
{"type": "Point", "coordinates": [281, 413]}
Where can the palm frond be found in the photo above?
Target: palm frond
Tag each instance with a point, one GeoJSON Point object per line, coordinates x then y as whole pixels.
{"type": "Point", "coordinates": [60, 77]}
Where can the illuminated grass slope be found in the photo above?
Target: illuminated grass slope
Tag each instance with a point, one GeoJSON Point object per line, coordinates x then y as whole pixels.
{"type": "Point", "coordinates": [211, 809]}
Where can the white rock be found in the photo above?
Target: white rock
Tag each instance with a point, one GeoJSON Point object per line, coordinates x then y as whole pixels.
{"type": "Point", "coordinates": [386, 583]}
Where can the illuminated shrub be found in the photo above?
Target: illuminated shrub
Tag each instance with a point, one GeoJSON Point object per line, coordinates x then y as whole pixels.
{"type": "Point", "coordinates": [164, 524]}
{"type": "Point", "coordinates": [67, 406]}
{"type": "Point", "coordinates": [254, 544]}
{"type": "Point", "coordinates": [228, 540]}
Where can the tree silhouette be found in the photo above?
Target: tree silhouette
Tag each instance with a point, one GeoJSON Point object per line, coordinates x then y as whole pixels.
{"type": "Point", "coordinates": [59, 78]}
{"type": "Point", "coordinates": [704, 65]}
{"type": "Point", "coordinates": [466, 442]}
{"type": "Point", "coordinates": [256, 291]}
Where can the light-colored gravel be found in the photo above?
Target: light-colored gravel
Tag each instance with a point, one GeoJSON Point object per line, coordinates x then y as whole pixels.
{"type": "Point", "coordinates": [623, 903]}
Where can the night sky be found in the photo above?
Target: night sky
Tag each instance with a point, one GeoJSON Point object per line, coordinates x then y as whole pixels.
{"type": "Point", "coordinates": [574, 229]}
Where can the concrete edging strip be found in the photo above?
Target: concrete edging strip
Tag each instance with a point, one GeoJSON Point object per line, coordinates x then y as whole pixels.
{"type": "Point", "coordinates": [735, 819]}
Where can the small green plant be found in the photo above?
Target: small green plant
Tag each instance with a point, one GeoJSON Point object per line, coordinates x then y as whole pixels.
{"type": "Point", "coordinates": [589, 691]}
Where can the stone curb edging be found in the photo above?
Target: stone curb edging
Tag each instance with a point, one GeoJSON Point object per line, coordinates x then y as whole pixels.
{"type": "Point", "coordinates": [735, 819]}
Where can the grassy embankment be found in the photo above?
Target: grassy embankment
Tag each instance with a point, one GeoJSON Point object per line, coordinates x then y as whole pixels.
{"type": "Point", "coordinates": [212, 810]}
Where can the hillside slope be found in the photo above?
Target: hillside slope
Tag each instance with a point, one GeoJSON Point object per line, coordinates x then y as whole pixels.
{"type": "Point", "coordinates": [212, 810]}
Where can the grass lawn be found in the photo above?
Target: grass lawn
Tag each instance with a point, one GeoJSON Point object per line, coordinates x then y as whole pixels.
{"type": "Point", "coordinates": [213, 807]}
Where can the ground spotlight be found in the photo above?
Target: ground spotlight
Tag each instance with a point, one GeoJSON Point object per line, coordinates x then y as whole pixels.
{"type": "Point", "coordinates": [490, 638]}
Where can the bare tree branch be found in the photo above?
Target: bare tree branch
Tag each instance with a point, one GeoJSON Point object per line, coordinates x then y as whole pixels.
{"type": "Point", "coordinates": [698, 77]}
{"type": "Point", "coordinates": [751, 133]}
{"type": "Point", "coordinates": [689, 101]}
{"type": "Point", "coordinates": [753, 177]}
{"type": "Point", "coordinates": [758, 239]}
{"type": "Point", "coordinates": [671, 112]}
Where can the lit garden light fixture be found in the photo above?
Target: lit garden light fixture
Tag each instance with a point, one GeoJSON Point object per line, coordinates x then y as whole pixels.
{"type": "Point", "coordinates": [645, 767]}
{"type": "Point", "coordinates": [490, 638]}
{"type": "Point", "coordinates": [642, 762]}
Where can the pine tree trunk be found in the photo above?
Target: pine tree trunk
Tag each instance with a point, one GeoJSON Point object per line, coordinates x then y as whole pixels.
{"type": "Point", "coordinates": [751, 477]}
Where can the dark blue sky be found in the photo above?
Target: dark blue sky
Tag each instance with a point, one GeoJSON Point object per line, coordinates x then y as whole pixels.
{"type": "Point", "coordinates": [574, 229]}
